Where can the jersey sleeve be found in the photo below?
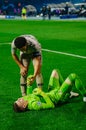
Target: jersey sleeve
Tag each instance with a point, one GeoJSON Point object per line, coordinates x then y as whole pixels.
{"type": "Point", "coordinates": [13, 48]}
{"type": "Point", "coordinates": [38, 105]}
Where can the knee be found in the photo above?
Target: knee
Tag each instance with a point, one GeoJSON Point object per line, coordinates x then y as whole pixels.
{"type": "Point", "coordinates": [72, 76]}
{"type": "Point", "coordinates": [55, 73]}
{"type": "Point", "coordinates": [23, 79]}
{"type": "Point", "coordinates": [39, 75]}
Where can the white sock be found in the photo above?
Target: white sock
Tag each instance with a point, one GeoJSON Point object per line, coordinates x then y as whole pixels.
{"type": "Point", "coordinates": [39, 80]}
{"type": "Point", "coordinates": [84, 99]}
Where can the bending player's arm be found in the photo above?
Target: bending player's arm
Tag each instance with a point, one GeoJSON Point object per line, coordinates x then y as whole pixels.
{"type": "Point", "coordinates": [22, 68]}
{"type": "Point", "coordinates": [16, 59]}
{"type": "Point", "coordinates": [14, 55]}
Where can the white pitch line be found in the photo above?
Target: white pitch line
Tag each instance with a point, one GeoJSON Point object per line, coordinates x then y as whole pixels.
{"type": "Point", "coordinates": [63, 53]}
{"type": "Point", "coordinates": [4, 43]}
{"type": "Point", "coordinates": [57, 52]}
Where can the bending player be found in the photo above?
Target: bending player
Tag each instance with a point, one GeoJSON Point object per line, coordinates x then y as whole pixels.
{"type": "Point", "coordinates": [58, 91]}
{"type": "Point", "coordinates": [30, 50]}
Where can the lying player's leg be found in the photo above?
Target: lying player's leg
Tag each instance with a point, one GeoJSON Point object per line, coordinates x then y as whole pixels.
{"type": "Point", "coordinates": [68, 84]}
{"type": "Point", "coordinates": [55, 80]}
{"type": "Point", "coordinates": [78, 84]}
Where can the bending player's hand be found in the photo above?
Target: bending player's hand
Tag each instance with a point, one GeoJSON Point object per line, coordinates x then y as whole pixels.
{"type": "Point", "coordinates": [23, 71]}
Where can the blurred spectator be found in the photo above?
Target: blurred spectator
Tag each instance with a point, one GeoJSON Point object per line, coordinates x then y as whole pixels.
{"type": "Point", "coordinates": [0, 12]}
{"type": "Point", "coordinates": [24, 11]}
{"type": "Point", "coordinates": [67, 8]}
{"type": "Point", "coordinates": [44, 10]}
{"type": "Point", "coordinates": [82, 11]}
{"type": "Point", "coordinates": [15, 11]}
{"type": "Point", "coordinates": [49, 12]}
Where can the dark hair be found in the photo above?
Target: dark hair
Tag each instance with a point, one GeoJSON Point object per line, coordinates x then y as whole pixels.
{"type": "Point", "coordinates": [17, 108]}
{"type": "Point", "coordinates": [20, 42]}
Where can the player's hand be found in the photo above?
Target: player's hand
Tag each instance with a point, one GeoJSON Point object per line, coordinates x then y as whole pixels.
{"type": "Point", "coordinates": [37, 91]}
{"type": "Point", "coordinates": [30, 79]}
{"type": "Point", "coordinates": [23, 71]}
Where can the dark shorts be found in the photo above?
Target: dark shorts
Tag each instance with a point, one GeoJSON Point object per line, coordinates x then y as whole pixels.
{"type": "Point", "coordinates": [23, 14]}
{"type": "Point", "coordinates": [35, 54]}
{"type": "Point", "coordinates": [29, 56]}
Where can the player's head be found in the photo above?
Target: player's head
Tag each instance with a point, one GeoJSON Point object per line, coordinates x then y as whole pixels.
{"type": "Point", "coordinates": [20, 105]}
{"type": "Point", "coordinates": [20, 42]}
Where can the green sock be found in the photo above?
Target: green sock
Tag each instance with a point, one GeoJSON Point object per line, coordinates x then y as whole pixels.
{"type": "Point", "coordinates": [78, 84]}
{"type": "Point", "coordinates": [80, 87]}
{"type": "Point", "coordinates": [53, 83]}
{"type": "Point", "coordinates": [61, 80]}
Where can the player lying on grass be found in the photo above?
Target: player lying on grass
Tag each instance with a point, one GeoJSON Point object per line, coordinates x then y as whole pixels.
{"type": "Point", "coordinates": [58, 91]}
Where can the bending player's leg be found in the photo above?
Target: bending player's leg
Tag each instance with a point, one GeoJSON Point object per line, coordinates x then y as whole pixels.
{"type": "Point", "coordinates": [39, 78]}
{"type": "Point", "coordinates": [23, 84]}
{"type": "Point", "coordinates": [55, 80]}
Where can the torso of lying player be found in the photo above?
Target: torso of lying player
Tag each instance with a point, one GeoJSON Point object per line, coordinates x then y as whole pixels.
{"type": "Point", "coordinates": [38, 100]}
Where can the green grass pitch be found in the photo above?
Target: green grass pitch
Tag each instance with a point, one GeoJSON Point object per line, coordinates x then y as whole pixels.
{"type": "Point", "coordinates": [59, 36]}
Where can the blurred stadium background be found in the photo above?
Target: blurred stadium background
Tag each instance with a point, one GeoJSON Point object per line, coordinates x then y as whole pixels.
{"type": "Point", "coordinates": [10, 8]}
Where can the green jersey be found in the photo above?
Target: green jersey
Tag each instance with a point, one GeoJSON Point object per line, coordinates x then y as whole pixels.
{"type": "Point", "coordinates": [57, 96]}
{"type": "Point", "coordinates": [38, 102]}
{"type": "Point", "coordinates": [41, 100]}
